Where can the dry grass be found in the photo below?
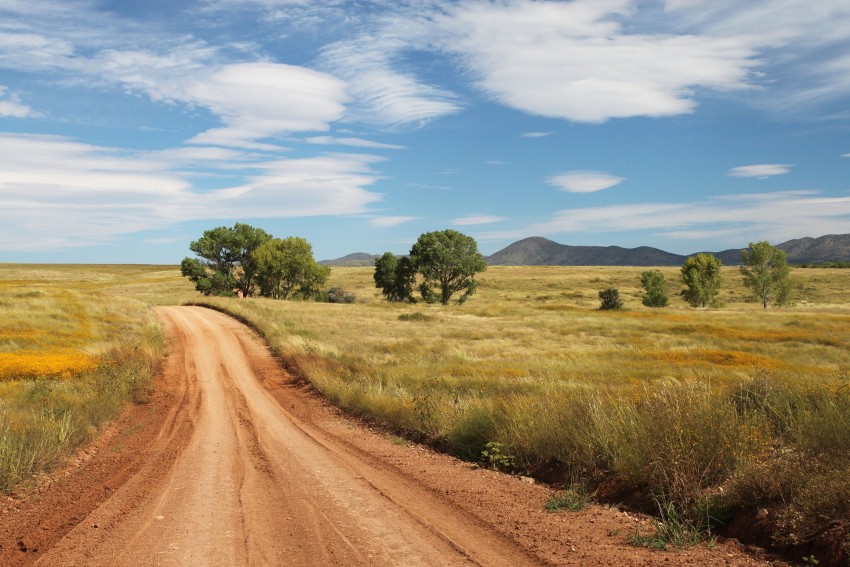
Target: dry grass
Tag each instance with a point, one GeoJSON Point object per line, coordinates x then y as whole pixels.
{"type": "Point", "coordinates": [74, 347]}
{"type": "Point", "coordinates": [649, 396]}
{"type": "Point", "coordinates": [678, 401]}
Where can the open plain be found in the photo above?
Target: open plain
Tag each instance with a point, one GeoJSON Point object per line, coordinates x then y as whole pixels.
{"type": "Point", "coordinates": [229, 454]}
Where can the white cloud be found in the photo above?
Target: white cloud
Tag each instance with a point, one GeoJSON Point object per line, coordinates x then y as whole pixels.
{"type": "Point", "coordinates": [11, 107]}
{"type": "Point", "coordinates": [762, 170]}
{"type": "Point", "coordinates": [354, 142]}
{"type": "Point", "coordinates": [390, 221]}
{"type": "Point", "coordinates": [574, 60]}
{"type": "Point", "coordinates": [477, 219]}
{"type": "Point", "coordinates": [58, 193]}
{"type": "Point", "coordinates": [584, 181]}
{"type": "Point", "coordinates": [384, 93]}
{"type": "Point", "coordinates": [742, 218]}
{"type": "Point", "coordinates": [260, 100]}
{"type": "Point", "coordinates": [495, 162]}
{"type": "Point", "coordinates": [803, 44]}
{"type": "Point", "coordinates": [535, 134]}
{"type": "Point", "coordinates": [254, 101]}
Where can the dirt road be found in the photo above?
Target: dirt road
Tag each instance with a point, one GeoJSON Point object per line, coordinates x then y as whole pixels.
{"type": "Point", "coordinates": [245, 467]}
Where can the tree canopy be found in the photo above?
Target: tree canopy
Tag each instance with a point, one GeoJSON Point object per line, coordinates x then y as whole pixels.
{"type": "Point", "coordinates": [655, 287]}
{"type": "Point", "coordinates": [701, 274]}
{"type": "Point", "coordinates": [286, 267]}
{"type": "Point", "coordinates": [225, 263]}
{"type": "Point", "coordinates": [448, 261]}
{"type": "Point", "coordinates": [395, 277]}
{"type": "Point", "coordinates": [767, 274]}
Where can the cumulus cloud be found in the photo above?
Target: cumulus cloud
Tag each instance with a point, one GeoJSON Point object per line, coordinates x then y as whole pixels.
{"type": "Point", "coordinates": [584, 181]}
{"type": "Point", "coordinates": [58, 193]}
{"type": "Point", "coordinates": [476, 219]}
{"type": "Point", "coordinates": [761, 170]}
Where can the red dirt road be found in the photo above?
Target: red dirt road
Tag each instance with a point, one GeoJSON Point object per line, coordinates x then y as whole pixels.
{"type": "Point", "coordinates": [235, 464]}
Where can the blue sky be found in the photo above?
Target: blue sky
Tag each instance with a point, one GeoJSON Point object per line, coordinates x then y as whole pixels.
{"type": "Point", "coordinates": [128, 127]}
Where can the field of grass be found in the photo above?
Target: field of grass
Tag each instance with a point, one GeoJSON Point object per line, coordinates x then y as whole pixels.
{"type": "Point", "coordinates": [710, 410]}
{"type": "Point", "coordinates": [74, 347]}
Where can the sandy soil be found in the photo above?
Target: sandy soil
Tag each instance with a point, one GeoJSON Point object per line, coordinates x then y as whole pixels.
{"type": "Point", "coordinates": [233, 463]}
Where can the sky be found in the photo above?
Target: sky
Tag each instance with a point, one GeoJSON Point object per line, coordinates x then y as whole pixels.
{"type": "Point", "coordinates": [128, 127]}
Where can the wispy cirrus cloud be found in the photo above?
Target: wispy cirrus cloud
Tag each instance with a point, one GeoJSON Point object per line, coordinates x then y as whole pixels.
{"type": "Point", "coordinates": [584, 181]}
{"type": "Point", "coordinates": [390, 221]}
{"type": "Point", "coordinates": [733, 219]}
{"type": "Point", "coordinates": [57, 193]}
{"type": "Point", "coordinates": [354, 142]}
{"type": "Point", "coordinates": [384, 92]}
{"type": "Point", "coordinates": [477, 219]}
{"type": "Point", "coordinates": [761, 170]}
{"type": "Point", "coordinates": [535, 134]}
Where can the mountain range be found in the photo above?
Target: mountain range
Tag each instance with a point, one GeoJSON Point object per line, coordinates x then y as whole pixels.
{"type": "Point", "coordinates": [539, 251]}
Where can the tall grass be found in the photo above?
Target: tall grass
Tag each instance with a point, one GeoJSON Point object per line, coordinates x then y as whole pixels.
{"type": "Point", "coordinates": [691, 406]}
{"type": "Point", "coordinates": [72, 353]}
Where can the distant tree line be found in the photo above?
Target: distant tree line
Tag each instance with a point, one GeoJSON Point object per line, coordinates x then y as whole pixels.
{"type": "Point", "coordinates": [765, 271]}
{"type": "Point", "coordinates": [835, 265]}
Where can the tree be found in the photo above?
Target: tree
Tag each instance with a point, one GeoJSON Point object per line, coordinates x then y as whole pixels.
{"type": "Point", "coordinates": [610, 299]}
{"type": "Point", "coordinates": [766, 273]}
{"type": "Point", "coordinates": [701, 273]}
{"type": "Point", "coordinates": [225, 262]}
{"type": "Point", "coordinates": [655, 287]}
{"type": "Point", "coordinates": [286, 267]}
{"type": "Point", "coordinates": [448, 261]}
{"type": "Point", "coordinates": [395, 277]}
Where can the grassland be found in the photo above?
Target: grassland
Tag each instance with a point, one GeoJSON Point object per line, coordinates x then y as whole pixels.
{"type": "Point", "coordinates": [709, 411]}
{"type": "Point", "coordinates": [76, 342]}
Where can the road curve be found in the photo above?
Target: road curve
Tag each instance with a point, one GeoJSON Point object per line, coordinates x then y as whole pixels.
{"type": "Point", "coordinates": [252, 483]}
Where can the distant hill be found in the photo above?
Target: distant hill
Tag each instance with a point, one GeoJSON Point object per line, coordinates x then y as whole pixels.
{"type": "Point", "coordinates": [829, 248]}
{"type": "Point", "coordinates": [356, 260]}
{"type": "Point", "coordinates": [538, 251]}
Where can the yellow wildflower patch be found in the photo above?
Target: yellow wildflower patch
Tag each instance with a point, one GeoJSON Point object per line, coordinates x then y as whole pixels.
{"type": "Point", "coordinates": [62, 363]}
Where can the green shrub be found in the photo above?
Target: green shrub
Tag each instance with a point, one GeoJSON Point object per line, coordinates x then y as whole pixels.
{"type": "Point", "coordinates": [610, 299]}
{"type": "Point", "coordinates": [655, 289]}
{"type": "Point", "coordinates": [339, 295]}
{"type": "Point", "coordinates": [418, 316]}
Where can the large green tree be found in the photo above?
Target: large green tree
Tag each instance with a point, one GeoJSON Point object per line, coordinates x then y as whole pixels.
{"type": "Point", "coordinates": [224, 263]}
{"type": "Point", "coordinates": [701, 274]}
{"type": "Point", "coordinates": [395, 277]}
{"type": "Point", "coordinates": [767, 274]}
{"type": "Point", "coordinates": [286, 268]}
{"type": "Point", "coordinates": [448, 261]}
